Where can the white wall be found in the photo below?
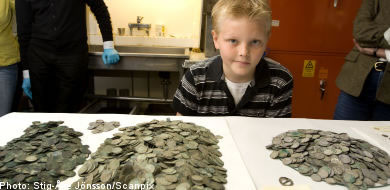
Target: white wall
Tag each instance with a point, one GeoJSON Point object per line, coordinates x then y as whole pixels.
{"type": "Point", "coordinates": [182, 18]}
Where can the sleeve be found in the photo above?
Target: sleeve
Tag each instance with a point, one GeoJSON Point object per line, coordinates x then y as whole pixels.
{"type": "Point", "coordinates": [12, 5]}
{"type": "Point", "coordinates": [366, 31]}
{"type": "Point", "coordinates": [185, 100]}
{"type": "Point", "coordinates": [100, 10]}
{"type": "Point", "coordinates": [281, 105]}
{"type": "Point", "coordinates": [387, 35]}
{"type": "Point", "coordinates": [24, 17]}
{"type": "Point", "coordinates": [387, 53]}
{"type": "Point", "coordinates": [5, 14]}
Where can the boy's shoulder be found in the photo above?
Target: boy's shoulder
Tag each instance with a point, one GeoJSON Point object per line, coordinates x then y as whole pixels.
{"type": "Point", "coordinates": [279, 75]}
{"type": "Point", "coordinates": [274, 65]}
{"type": "Point", "coordinates": [205, 70]}
{"type": "Point", "coordinates": [205, 64]}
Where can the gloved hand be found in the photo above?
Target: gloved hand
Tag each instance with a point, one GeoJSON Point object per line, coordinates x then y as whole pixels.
{"type": "Point", "coordinates": [110, 56]}
{"type": "Point", "coordinates": [27, 87]}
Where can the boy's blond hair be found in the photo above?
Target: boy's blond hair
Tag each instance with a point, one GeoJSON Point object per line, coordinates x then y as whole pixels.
{"type": "Point", "coordinates": [253, 9]}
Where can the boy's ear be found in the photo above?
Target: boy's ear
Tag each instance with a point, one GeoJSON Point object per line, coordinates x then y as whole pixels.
{"type": "Point", "coordinates": [215, 38]}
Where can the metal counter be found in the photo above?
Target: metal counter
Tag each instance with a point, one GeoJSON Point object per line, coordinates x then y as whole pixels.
{"type": "Point", "coordinates": [134, 58]}
{"type": "Point", "coordinates": [141, 58]}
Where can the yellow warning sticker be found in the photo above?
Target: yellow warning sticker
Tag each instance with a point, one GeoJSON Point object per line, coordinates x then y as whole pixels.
{"type": "Point", "coordinates": [309, 67]}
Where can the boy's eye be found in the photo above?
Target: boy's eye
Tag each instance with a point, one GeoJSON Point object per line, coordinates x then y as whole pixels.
{"type": "Point", "coordinates": [256, 42]}
{"type": "Point", "coordinates": [232, 41]}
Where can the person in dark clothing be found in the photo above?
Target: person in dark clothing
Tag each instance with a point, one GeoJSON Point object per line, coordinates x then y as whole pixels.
{"type": "Point", "coordinates": [54, 51]}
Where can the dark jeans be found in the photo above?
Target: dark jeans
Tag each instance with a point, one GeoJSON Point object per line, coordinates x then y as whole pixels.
{"type": "Point", "coordinates": [58, 81]}
{"type": "Point", "coordinates": [8, 81]}
{"type": "Point", "coordinates": [365, 107]}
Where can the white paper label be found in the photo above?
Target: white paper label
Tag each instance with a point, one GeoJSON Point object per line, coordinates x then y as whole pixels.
{"type": "Point", "coordinates": [275, 23]}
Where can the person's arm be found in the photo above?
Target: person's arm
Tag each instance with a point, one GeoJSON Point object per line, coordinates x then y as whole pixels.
{"type": "Point", "coordinates": [100, 10]}
{"type": "Point", "coordinates": [378, 52]}
{"type": "Point", "coordinates": [24, 17]}
{"type": "Point", "coordinates": [281, 105]}
{"type": "Point", "coordinates": [185, 101]}
{"type": "Point", "coordinates": [366, 31]}
{"type": "Point", "coordinates": [12, 4]}
{"type": "Point", "coordinates": [387, 37]}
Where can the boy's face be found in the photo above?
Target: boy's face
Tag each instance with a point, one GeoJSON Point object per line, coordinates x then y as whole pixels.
{"type": "Point", "coordinates": [241, 43]}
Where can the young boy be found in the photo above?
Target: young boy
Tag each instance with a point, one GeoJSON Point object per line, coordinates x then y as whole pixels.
{"type": "Point", "coordinates": [239, 81]}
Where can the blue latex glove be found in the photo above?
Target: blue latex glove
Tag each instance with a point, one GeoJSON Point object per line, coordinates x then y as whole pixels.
{"type": "Point", "coordinates": [27, 87]}
{"type": "Point", "coordinates": [110, 56]}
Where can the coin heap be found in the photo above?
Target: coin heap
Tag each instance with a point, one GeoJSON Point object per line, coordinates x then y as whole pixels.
{"type": "Point", "coordinates": [167, 154]}
{"type": "Point", "coordinates": [333, 158]}
{"type": "Point", "coordinates": [45, 153]}
{"type": "Point", "coordinates": [100, 126]}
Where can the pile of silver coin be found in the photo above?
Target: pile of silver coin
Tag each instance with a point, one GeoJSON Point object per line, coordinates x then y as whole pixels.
{"type": "Point", "coordinates": [164, 154]}
{"type": "Point", "coordinates": [100, 126]}
{"type": "Point", "coordinates": [45, 153]}
{"type": "Point", "coordinates": [333, 158]}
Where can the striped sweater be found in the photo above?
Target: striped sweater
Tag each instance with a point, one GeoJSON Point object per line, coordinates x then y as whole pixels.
{"type": "Point", "coordinates": [203, 91]}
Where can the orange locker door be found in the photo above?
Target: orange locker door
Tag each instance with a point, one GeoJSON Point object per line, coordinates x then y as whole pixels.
{"type": "Point", "coordinates": [313, 26]}
{"type": "Point", "coordinates": [321, 32]}
{"type": "Point", "coordinates": [297, 25]}
{"type": "Point", "coordinates": [307, 100]}
{"type": "Point", "coordinates": [339, 25]}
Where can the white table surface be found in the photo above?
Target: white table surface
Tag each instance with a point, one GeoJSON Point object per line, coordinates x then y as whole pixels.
{"type": "Point", "coordinates": [243, 146]}
{"type": "Point", "coordinates": [238, 177]}
{"type": "Point", "coordinates": [251, 135]}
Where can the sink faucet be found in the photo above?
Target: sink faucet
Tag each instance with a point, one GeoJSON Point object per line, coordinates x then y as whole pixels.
{"type": "Point", "coordinates": [140, 26]}
{"type": "Point", "coordinates": [139, 19]}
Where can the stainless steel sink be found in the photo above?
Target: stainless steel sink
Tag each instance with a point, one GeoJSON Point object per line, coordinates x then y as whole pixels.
{"type": "Point", "coordinates": [141, 58]}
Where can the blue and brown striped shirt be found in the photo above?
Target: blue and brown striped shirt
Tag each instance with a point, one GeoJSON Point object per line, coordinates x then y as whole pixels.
{"type": "Point", "coordinates": [203, 91]}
